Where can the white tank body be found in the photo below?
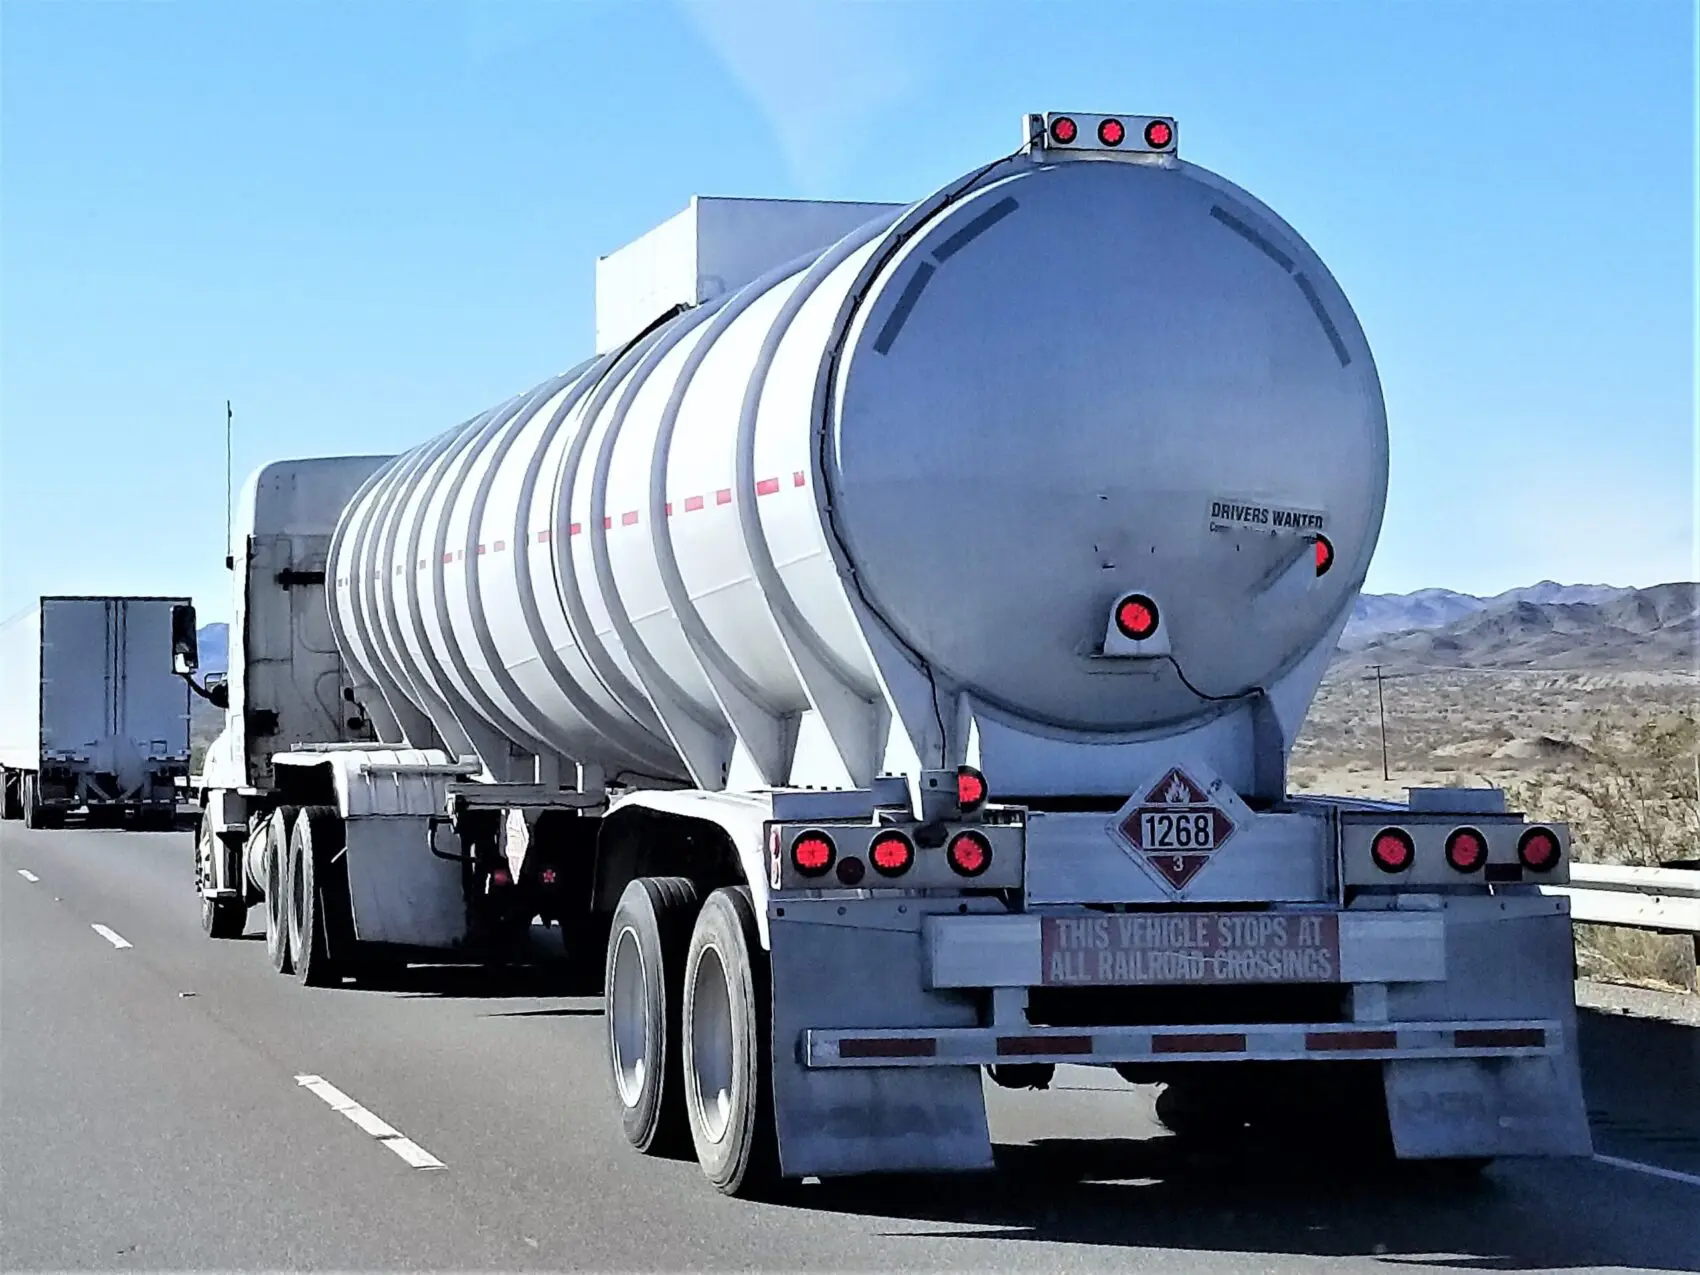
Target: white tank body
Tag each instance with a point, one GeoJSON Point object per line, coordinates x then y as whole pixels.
{"type": "Point", "coordinates": [874, 510]}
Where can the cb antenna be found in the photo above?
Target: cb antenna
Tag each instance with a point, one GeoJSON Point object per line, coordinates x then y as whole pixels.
{"type": "Point", "coordinates": [229, 418]}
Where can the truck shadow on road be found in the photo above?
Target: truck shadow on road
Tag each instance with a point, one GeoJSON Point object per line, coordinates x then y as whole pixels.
{"type": "Point", "coordinates": [1165, 1193]}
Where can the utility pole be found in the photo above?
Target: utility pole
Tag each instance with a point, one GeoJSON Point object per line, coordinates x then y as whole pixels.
{"type": "Point", "coordinates": [1381, 702]}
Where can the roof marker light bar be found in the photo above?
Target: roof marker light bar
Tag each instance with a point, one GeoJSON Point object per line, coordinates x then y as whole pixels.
{"type": "Point", "coordinates": [1060, 132]}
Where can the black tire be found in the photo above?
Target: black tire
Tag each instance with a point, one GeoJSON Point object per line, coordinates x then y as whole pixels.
{"type": "Point", "coordinates": [220, 918]}
{"type": "Point", "coordinates": [1200, 1111]}
{"type": "Point", "coordinates": [315, 907]}
{"type": "Point", "coordinates": [642, 980]}
{"type": "Point", "coordinates": [727, 1047]}
{"type": "Point", "coordinates": [279, 829]}
{"type": "Point", "coordinates": [11, 804]}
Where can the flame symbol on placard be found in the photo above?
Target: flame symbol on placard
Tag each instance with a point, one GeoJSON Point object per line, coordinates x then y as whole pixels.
{"type": "Point", "coordinates": [1177, 793]}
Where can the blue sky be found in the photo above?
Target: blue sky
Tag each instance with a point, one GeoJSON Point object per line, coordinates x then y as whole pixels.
{"type": "Point", "coordinates": [364, 221]}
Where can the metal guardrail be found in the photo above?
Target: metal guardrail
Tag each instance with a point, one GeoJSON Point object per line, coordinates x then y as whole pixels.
{"type": "Point", "coordinates": [1664, 899]}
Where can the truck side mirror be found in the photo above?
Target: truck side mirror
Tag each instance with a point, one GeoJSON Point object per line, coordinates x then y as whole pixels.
{"type": "Point", "coordinates": [185, 646]}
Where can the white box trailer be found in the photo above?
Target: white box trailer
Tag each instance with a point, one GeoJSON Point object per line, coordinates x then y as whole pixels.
{"type": "Point", "coordinates": [883, 661]}
{"type": "Point", "coordinates": [91, 715]}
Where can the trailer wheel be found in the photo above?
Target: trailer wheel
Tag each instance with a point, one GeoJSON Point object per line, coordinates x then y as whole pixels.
{"type": "Point", "coordinates": [313, 901]}
{"type": "Point", "coordinates": [220, 918]}
{"type": "Point", "coordinates": [279, 828]}
{"type": "Point", "coordinates": [11, 804]}
{"type": "Point", "coordinates": [727, 1047]}
{"type": "Point", "coordinates": [642, 981]}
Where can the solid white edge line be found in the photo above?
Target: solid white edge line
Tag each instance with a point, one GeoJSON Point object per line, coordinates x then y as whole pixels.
{"type": "Point", "coordinates": [27, 875]}
{"type": "Point", "coordinates": [388, 1136]}
{"type": "Point", "coordinates": [111, 936]}
{"type": "Point", "coordinates": [1652, 1170]}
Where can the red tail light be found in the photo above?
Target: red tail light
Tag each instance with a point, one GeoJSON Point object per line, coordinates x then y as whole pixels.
{"type": "Point", "coordinates": [1538, 849]}
{"type": "Point", "coordinates": [1112, 132]}
{"type": "Point", "coordinates": [1064, 130]}
{"type": "Point", "coordinates": [1466, 850]}
{"type": "Point", "coordinates": [1324, 555]}
{"type": "Point", "coordinates": [500, 877]}
{"type": "Point", "coordinates": [970, 789]}
{"type": "Point", "coordinates": [850, 870]}
{"type": "Point", "coordinates": [892, 854]}
{"type": "Point", "coordinates": [1136, 617]}
{"type": "Point", "coordinates": [812, 854]}
{"type": "Point", "coordinates": [969, 853]}
{"type": "Point", "coordinates": [547, 876]}
{"type": "Point", "coordinates": [1159, 133]}
{"type": "Point", "coordinates": [1392, 850]}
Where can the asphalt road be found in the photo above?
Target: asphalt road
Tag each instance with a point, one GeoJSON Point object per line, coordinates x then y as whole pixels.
{"type": "Point", "coordinates": [152, 1116]}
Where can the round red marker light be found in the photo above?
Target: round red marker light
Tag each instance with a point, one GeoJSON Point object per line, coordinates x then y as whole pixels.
{"type": "Point", "coordinates": [969, 854]}
{"type": "Point", "coordinates": [892, 854]}
{"type": "Point", "coordinates": [1136, 617]}
{"type": "Point", "coordinates": [1159, 133]}
{"type": "Point", "coordinates": [1064, 130]}
{"type": "Point", "coordinates": [812, 854]}
{"type": "Point", "coordinates": [850, 871]}
{"type": "Point", "coordinates": [1112, 132]}
{"type": "Point", "coordinates": [1538, 849]}
{"type": "Point", "coordinates": [1392, 850]}
{"type": "Point", "coordinates": [1324, 555]}
{"type": "Point", "coordinates": [970, 789]}
{"type": "Point", "coordinates": [1466, 850]}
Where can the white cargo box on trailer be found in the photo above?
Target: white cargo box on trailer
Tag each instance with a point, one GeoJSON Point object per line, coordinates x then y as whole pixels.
{"type": "Point", "coordinates": [90, 710]}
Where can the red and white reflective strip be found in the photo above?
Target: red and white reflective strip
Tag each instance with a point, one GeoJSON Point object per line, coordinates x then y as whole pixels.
{"type": "Point", "coordinates": [689, 505]}
{"type": "Point", "coordinates": [968, 1046]}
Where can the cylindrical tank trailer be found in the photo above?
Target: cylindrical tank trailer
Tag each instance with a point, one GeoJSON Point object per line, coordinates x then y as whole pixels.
{"type": "Point", "coordinates": [956, 439]}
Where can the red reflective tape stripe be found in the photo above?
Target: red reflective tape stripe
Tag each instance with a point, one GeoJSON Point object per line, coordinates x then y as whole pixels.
{"type": "Point", "coordinates": [544, 536]}
{"type": "Point", "coordinates": [501, 546]}
{"type": "Point", "coordinates": [480, 548]}
{"type": "Point", "coordinates": [723, 496]}
{"type": "Point", "coordinates": [1199, 1043]}
{"type": "Point", "coordinates": [629, 518]}
{"type": "Point", "coordinates": [866, 1047]}
{"type": "Point", "coordinates": [767, 486]}
{"type": "Point", "coordinates": [798, 479]}
{"type": "Point", "coordinates": [448, 557]}
{"type": "Point", "coordinates": [607, 522]}
{"type": "Point", "coordinates": [1027, 1046]}
{"type": "Point", "coordinates": [1341, 1041]}
{"type": "Point", "coordinates": [574, 529]}
{"type": "Point", "coordinates": [669, 508]}
{"type": "Point", "coordinates": [692, 504]}
{"type": "Point", "coordinates": [1499, 1037]}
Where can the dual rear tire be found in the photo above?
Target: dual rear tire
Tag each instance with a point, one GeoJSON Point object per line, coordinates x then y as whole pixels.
{"type": "Point", "coordinates": [309, 922]}
{"type": "Point", "coordinates": [688, 1012]}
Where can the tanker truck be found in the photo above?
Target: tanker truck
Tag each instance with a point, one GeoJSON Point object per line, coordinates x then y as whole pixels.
{"type": "Point", "coordinates": [881, 660]}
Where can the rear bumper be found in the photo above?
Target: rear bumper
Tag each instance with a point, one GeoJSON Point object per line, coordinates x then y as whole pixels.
{"type": "Point", "coordinates": [1104, 1046]}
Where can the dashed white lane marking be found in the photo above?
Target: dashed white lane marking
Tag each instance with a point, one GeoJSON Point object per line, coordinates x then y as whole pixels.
{"type": "Point", "coordinates": [336, 1100]}
{"type": "Point", "coordinates": [111, 936]}
{"type": "Point", "coordinates": [27, 875]}
{"type": "Point", "coordinates": [1652, 1170]}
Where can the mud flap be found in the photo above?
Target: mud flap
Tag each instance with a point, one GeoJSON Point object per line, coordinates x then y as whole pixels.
{"type": "Point", "coordinates": [1506, 957]}
{"type": "Point", "coordinates": [1488, 1107]}
{"type": "Point", "coordinates": [840, 1121]}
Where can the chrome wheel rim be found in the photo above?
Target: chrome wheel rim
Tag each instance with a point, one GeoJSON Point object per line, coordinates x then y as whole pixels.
{"type": "Point", "coordinates": [711, 1045]}
{"type": "Point", "coordinates": [628, 1034]}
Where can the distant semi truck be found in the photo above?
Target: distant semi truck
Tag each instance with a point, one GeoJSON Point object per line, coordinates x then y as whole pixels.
{"type": "Point", "coordinates": [91, 716]}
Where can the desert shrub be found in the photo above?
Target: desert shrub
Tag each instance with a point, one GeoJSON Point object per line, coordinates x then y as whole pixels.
{"type": "Point", "coordinates": [1637, 798]}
